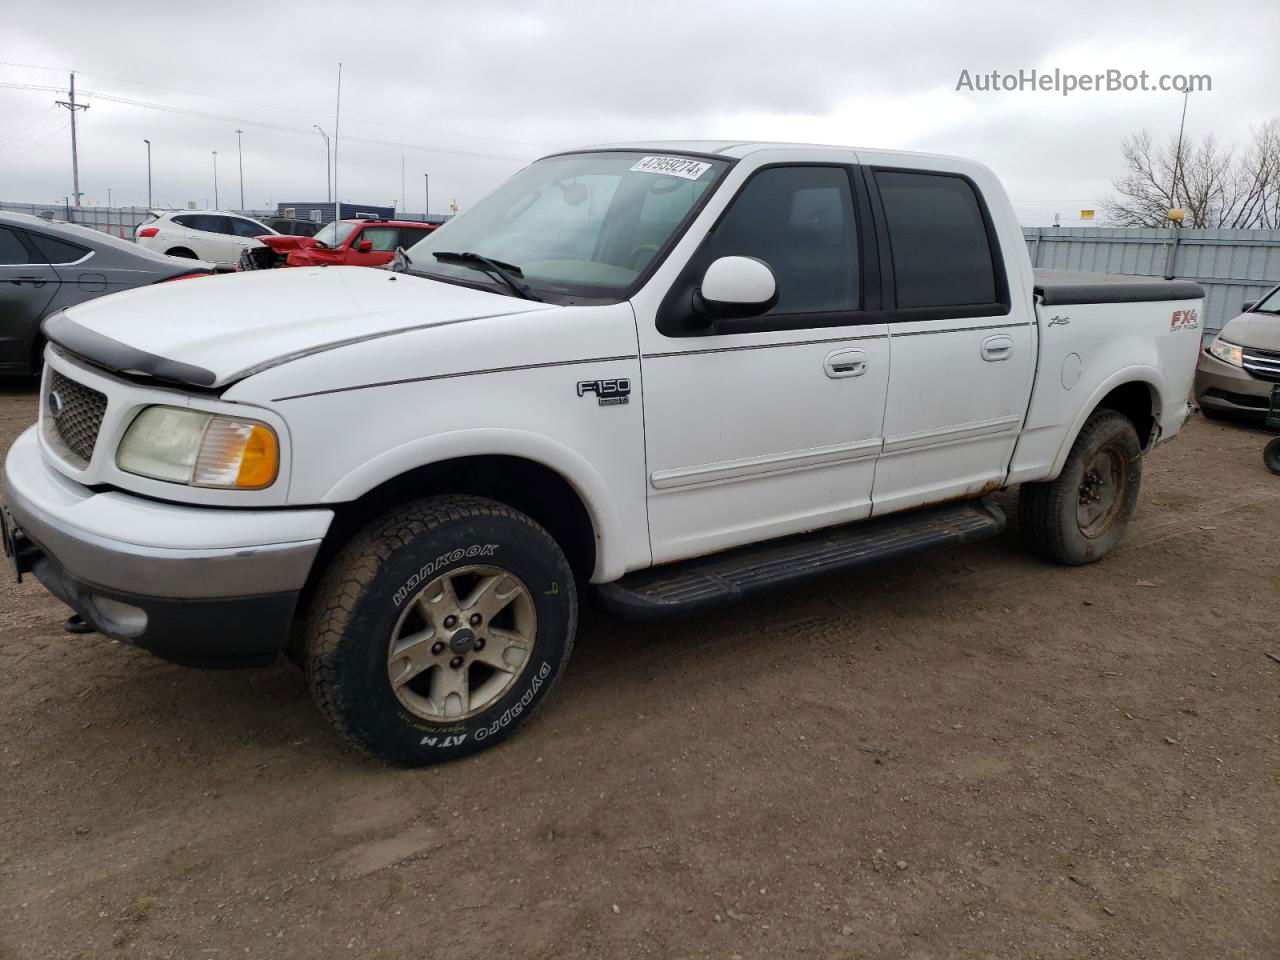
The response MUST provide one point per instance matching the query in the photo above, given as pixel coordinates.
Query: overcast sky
(469, 92)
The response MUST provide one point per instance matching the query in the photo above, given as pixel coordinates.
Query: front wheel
(1079, 517)
(1271, 455)
(439, 629)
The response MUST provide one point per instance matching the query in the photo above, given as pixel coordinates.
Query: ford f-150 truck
(670, 374)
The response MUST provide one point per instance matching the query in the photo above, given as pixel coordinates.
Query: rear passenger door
(26, 288)
(962, 352)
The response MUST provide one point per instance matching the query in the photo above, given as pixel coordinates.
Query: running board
(724, 578)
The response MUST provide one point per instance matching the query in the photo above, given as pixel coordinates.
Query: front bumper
(1229, 389)
(199, 585)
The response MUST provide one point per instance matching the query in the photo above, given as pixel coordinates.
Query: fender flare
(1138, 373)
(496, 441)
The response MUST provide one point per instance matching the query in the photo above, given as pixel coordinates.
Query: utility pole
(215, 179)
(148, 143)
(72, 106)
(426, 196)
(328, 171)
(1177, 158)
(337, 112)
(240, 151)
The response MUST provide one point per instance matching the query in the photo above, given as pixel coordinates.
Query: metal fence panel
(1232, 265)
(117, 221)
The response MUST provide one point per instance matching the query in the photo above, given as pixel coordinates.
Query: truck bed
(1053, 287)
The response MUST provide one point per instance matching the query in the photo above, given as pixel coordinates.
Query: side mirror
(364, 246)
(1248, 305)
(737, 287)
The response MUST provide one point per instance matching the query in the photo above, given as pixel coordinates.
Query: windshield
(582, 226)
(1270, 303)
(335, 234)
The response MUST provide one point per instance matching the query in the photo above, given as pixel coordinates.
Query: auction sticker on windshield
(672, 167)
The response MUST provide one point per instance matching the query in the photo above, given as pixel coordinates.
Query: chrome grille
(73, 414)
(1263, 364)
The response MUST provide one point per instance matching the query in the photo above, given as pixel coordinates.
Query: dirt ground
(965, 754)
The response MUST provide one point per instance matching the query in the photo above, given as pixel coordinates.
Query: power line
(277, 107)
(262, 124)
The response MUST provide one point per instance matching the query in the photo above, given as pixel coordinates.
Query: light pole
(426, 196)
(215, 179)
(328, 173)
(148, 143)
(240, 154)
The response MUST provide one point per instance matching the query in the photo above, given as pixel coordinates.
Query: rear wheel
(440, 629)
(1079, 517)
(1271, 455)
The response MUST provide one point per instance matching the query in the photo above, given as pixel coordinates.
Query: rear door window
(942, 253)
(246, 228)
(411, 235)
(208, 222)
(12, 249)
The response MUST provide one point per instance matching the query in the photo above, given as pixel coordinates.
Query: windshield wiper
(508, 273)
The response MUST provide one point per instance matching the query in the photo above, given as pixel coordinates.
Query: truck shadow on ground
(225, 712)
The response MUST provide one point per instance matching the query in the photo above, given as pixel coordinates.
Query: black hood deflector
(113, 355)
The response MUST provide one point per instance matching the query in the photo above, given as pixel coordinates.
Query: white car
(673, 374)
(203, 235)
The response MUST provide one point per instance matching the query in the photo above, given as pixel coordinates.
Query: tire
(1271, 455)
(181, 252)
(1080, 516)
(381, 609)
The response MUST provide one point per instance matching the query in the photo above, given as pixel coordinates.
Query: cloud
(474, 91)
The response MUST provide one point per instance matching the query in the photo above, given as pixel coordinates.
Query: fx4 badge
(608, 392)
(1184, 320)
(1059, 321)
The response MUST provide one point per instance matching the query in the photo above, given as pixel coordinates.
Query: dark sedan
(45, 266)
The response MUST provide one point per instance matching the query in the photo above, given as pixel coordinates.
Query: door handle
(845, 363)
(995, 349)
(36, 282)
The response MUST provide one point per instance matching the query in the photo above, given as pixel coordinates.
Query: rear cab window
(942, 247)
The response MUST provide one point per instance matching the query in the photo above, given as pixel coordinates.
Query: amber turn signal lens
(260, 461)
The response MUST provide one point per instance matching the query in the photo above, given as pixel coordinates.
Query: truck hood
(222, 329)
(1259, 330)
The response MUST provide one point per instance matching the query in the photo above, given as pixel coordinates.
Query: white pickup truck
(670, 373)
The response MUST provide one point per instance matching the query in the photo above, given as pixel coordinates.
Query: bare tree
(1216, 186)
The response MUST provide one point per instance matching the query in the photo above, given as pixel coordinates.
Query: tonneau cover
(1070, 286)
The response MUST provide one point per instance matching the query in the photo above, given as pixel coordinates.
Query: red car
(359, 243)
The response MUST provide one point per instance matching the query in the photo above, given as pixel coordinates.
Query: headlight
(200, 449)
(1227, 352)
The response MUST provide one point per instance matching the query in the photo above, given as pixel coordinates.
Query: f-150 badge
(608, 392)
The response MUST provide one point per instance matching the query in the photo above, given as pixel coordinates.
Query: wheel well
(1137, 401)
(181, 252)
(533, 489)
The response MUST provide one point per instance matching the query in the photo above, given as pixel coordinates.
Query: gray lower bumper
(139, 546)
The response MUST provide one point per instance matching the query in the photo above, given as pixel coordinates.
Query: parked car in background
(45, 266)
(209, 235)
(1238, 369)
(292, 226)
(352, 243)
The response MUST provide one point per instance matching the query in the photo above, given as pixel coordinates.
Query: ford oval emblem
(55, 404)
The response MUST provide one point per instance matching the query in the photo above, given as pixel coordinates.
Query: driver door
(768, 426)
